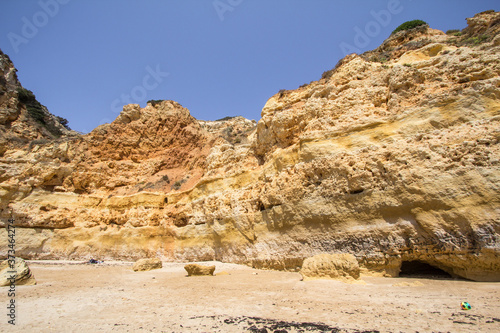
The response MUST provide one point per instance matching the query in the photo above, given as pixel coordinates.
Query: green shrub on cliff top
(155, 102)
(37, 112)
(409, 25)
(64, 122)
(25, 95)
(34, 107)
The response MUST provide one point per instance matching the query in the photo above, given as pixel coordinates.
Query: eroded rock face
(23, 274)
(392, 156)
(336, 266)
(17, 126)
(195, 269)
(147, 264)
(235, 130)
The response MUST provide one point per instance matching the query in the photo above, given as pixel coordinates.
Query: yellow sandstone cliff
(392, 156)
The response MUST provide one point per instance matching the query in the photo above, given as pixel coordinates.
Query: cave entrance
(422, 270)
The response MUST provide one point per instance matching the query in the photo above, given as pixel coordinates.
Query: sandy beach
(110, 297)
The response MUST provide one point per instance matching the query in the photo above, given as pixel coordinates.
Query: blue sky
(85, 59)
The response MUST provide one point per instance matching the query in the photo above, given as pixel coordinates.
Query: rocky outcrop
(20, 274)
(392, 156)
(22, 118)
(154, 149)
(343, 267)
(235, 130)
(147, 264)
(198, 270)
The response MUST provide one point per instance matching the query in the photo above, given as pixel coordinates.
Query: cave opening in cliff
(418, 268)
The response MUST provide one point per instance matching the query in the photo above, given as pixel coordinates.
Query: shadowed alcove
(423, 270)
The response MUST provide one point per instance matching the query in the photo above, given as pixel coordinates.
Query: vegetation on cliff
(409, 25)
(40, 113)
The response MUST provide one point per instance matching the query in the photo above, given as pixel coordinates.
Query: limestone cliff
(392, 156)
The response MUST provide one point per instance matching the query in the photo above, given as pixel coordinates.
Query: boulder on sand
(195, 269)
(23, 274)
(343, 267)
(147, 264)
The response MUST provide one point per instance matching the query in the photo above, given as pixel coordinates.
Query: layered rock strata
(392, 156)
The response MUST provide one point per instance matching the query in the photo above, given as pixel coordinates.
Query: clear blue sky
(84, 59)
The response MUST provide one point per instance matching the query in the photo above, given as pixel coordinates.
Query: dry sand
(110, 297)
